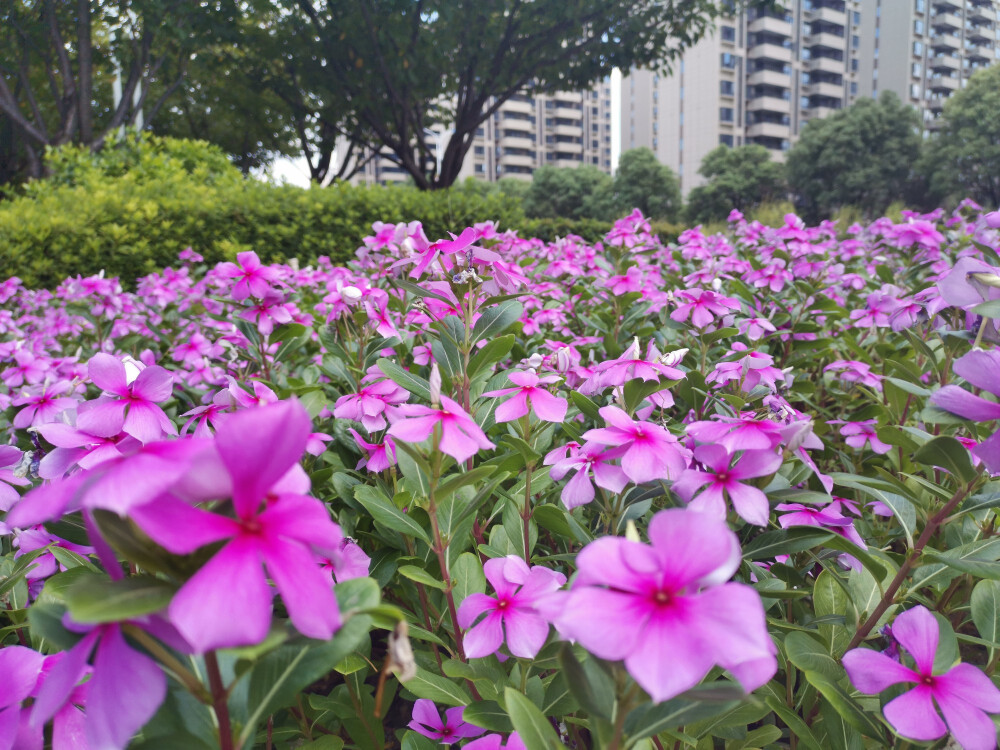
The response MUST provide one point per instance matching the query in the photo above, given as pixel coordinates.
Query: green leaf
(495, 350)
(651, 719)
(985, 603)
(593, 688)
(326, 742)
(278, 678)
(465, 478)
(488, 715)
(497, 319)
(438, 689)
(795, 723)
(383, 510)
(809, 655)
(948, 454)
(405, 379)
(978, 567)
(900, 506)
(846, 706)
(467, 577)
(534, 729)
(785, 542)
(421, 576)
(988, 309)
(96, 598)
(587, 407)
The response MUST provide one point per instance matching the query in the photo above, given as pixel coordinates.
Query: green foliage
(642, 182)
(964, 159)
(742, 178)
(863, 155)
(130, 212)
(572, 193)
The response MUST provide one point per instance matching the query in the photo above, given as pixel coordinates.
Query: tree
(642, 182)
(742, 178)
(584, 192)
(58, 61)
(963, 160)
(403, 67)
(862, 156)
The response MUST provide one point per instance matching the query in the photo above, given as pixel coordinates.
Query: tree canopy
(963, 160)
(742, 178)
(583, 192)
(862, 156)
(642, 182)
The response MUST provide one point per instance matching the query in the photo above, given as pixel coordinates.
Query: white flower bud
(132, 368)
(435, 381)
(351, 295)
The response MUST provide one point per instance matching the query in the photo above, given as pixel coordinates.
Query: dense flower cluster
(201, 482)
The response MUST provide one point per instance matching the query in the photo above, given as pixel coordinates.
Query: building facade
(925, 50)
(758, 79)
(526, 132)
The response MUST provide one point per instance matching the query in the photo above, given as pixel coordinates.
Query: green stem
(220, 704)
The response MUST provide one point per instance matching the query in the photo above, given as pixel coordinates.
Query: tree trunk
(85, 71)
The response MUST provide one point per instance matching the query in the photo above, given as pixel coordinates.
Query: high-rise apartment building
(564, 129)
(758, 79)
(925, 50)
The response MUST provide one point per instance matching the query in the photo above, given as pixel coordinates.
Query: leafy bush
(132, 208)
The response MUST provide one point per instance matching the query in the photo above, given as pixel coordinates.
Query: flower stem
(219, 701)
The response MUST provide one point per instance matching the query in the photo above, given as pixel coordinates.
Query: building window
(726, 114)
(918, 27)
(728, 60)
(728, 33)
(857, 18)
(726, 140)
(480, 151)
(918, 48)
(855, 41)
(854, 88)
(727, 88)
(915, 90)
(920, 6)
(854, 65)
(917, 70)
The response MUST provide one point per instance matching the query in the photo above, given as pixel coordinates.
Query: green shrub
(131, 211)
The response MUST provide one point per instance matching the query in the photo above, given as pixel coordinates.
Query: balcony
(832, 90)
(769, 78)
(770, 52)
(768, 130)
(947, 6)
(936, 103)
(827, 15)
(509, 160)
(945, 20)
(981, 13)
(769, 104)
(568, 114)
(509, 141)
(770, 25)
(574, 130)
(568, 148)
(943, 64)
(942, 84)
(825, 39)
(947, 42)
(979, 52)
(825, 65)
(978, 34)
(516, 105)
(818, 113)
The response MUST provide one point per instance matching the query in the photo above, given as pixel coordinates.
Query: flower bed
(507, 493)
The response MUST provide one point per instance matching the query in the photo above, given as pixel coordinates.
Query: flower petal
(872, 671)
(913, 714)
(917, 630)
(304, 588)
(108, 373)
(968, 724)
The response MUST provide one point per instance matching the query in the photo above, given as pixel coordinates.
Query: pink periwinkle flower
(722, 477)
(744, 433)
(461, 437)
(227, 603)
(128, 406)
(27, 368)
(748, 372)
(651, 452)
(511, 612)
(252, 278)
(828, 517)
(25, 673)
(702, 306)
(376, 399)
(586, 460)
(980, 368)
(10, 457)
(378, 456)
(495, 742)
(852, 371)
(756, 328)
(856, 434)
(631, 366)
(428, 722)
(963, 694)
(547, 407)
(665, 608)
(42, 403)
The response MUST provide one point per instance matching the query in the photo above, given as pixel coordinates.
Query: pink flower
(227, 603)
(547, 407)
(963, 693)
(461, 437)
(706, 490)
(129, 407)
(10, 457)
(630, 366)
(511, 611)
(665, 608)
(379, 456)
(25, 674)
(702, 306)
(982, 370)
(745, 433)
(427, 721)
(42, 403)
(495, 742)
(75, 447)
(591, 458)
(650, 451)
(855, 372)
(372, 403)
(253, 278)
(856, 434)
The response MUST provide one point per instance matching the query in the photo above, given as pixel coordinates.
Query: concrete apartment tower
(758, 79)
(526, 132)
(925, 50)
